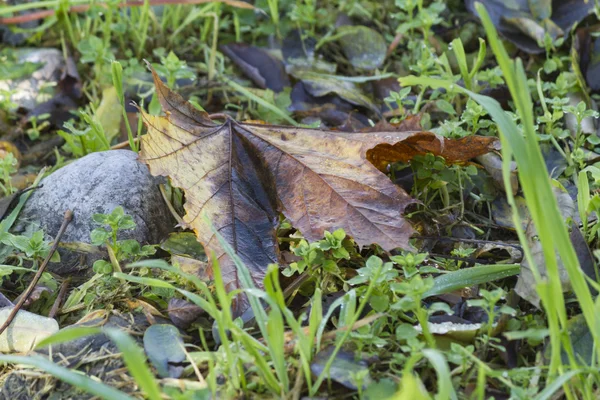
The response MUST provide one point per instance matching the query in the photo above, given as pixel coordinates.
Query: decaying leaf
(320, 85)
(242, 175)
(526, 22)
(344, 368)
(455, 151)
(183, 243)
(265, 70)
(364, 47)
(526, 285)
(182, 313)
(492, 163)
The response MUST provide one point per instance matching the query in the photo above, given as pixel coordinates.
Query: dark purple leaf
(263, 69)
(182, 313)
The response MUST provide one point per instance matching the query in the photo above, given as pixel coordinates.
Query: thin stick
(67, 219)
(474, 241)
(124, 144)
(59, 299)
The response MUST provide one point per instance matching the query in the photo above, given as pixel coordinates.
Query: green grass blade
(471, 276)
(550, 390)
(133, 355)
(445, 388)
(7, 222)
(535, 181)
(248, 94)
(68, 334)
(144, 280)
(135, 360)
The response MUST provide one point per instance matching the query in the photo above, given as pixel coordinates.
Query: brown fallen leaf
(182, 313)
(242, 175)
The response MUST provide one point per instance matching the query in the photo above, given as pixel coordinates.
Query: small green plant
(436, 180)
(381, 275)
(415, 16)
(95, 51)
(412, 291)
(320, 259)
(8, 166)
(553, 61)
(90, 139)
(401, 101)
(172, 67)
(34, 247)
(409, 262)
(489, 302)
(580, 112)
(38, 124)
(119, 250)
(30, 249)
(307, 15)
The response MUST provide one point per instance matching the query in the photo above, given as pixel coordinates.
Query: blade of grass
(8, 221)
(68, 334)
(248, 94)
(261, 317)
(541, 202)
(135, 360)
(445, 388)
(471, 276)
(550, 390)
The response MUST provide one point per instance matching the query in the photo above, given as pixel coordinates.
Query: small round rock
(96, 184)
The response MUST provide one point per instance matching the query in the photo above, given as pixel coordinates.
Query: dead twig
(123, 145)
(59, 299)
(474, 241)
(67, 219)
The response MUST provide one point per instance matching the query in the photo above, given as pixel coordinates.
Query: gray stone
(96, 184)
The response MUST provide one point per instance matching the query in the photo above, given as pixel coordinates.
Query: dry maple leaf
(242, 175)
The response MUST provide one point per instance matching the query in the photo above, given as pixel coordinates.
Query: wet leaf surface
(263, 69)
(502, 213)
(525, 22)
(364, 47)
(303, 101)
(319, 85)
(164, 347)
(344, 369)
(183, 243)
(581, 340)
